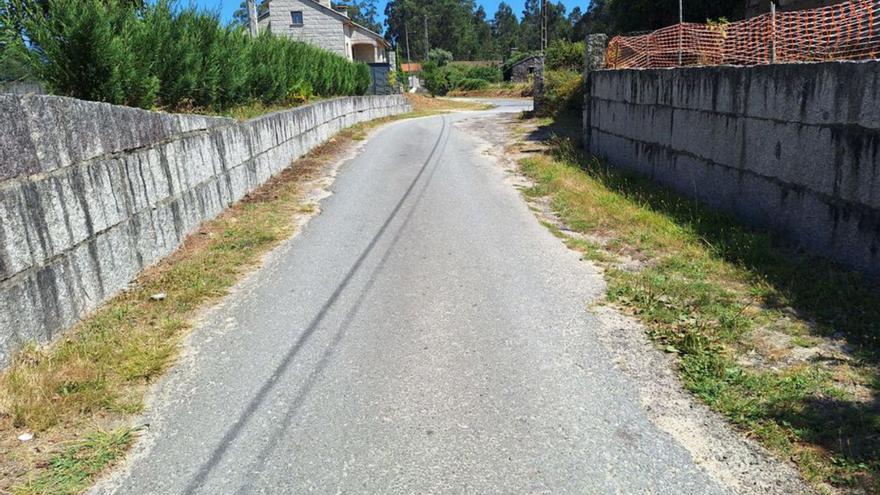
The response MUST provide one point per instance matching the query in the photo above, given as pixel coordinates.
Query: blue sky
(227, 7)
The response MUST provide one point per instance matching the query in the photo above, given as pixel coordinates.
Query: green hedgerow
(160, 55)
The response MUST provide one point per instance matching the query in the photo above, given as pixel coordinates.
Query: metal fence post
(680, 30)
(772, 32)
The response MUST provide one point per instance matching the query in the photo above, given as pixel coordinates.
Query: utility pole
(680, 30)
(544, 33)
(427, 43)
(252, 17)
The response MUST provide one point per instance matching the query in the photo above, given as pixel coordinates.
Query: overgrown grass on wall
(161, 55)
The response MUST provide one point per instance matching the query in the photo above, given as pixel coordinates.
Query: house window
(296, 18)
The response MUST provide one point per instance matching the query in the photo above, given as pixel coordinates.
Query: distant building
(526, 68)
(758, 7)
(411, 68)
(317, 23)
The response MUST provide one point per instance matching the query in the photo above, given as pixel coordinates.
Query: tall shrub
(156, 54)
(565, 55)
(84, 49)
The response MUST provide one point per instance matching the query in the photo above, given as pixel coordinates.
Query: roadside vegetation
(77, 397)
(784, 345)
(158, 55)
(442, 76)
(563, 78)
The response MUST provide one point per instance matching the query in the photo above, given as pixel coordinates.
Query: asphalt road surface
(423, 334)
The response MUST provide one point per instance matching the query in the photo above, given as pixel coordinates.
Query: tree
(558, 25)
(450, 25)
(505, 30)
(363, 12)
(530, 28)
(240, 16)
(485, 47)
(440, 57)
(621, 16)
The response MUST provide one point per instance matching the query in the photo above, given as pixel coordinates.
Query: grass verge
(782, 344)
(78, 395)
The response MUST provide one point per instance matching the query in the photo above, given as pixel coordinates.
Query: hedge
(159, 55)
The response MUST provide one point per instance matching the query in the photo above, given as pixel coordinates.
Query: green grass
(710, 289)
(76, 467)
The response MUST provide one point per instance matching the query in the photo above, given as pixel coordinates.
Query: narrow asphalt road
(423, 334)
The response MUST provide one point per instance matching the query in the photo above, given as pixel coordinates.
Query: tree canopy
(466, 30)
(470, 33)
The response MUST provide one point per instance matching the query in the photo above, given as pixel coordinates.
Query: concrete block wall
(794, 148)
(91, 193)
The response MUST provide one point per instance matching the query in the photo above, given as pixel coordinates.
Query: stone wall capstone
(92, 193)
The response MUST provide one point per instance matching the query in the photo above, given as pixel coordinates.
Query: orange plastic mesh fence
(848, 31)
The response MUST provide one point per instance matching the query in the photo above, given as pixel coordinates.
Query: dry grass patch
(429, 105)
(498, 90)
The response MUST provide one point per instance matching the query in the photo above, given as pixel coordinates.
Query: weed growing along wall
(92, 193)
(794, 147)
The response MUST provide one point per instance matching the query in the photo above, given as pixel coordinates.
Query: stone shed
(525, 69)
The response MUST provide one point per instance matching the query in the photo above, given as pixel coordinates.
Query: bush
(441, 80)
(159, 55)
(470, 84)
(565, 55)
(563, 91)
(488, 74)
(440, 57)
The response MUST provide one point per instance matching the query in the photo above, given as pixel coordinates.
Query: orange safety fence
(847, 31)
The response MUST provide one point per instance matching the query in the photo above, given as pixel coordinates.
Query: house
(525, 69)
(317, 23)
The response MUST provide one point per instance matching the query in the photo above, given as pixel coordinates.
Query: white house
(317, 23)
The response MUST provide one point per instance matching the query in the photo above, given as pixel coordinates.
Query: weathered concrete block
(91, 194)
(17, 153)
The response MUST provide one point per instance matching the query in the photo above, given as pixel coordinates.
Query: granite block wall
(91, 193)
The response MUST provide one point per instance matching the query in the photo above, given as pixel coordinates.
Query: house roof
(528, 59)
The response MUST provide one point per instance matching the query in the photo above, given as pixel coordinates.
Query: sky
(227, 7)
